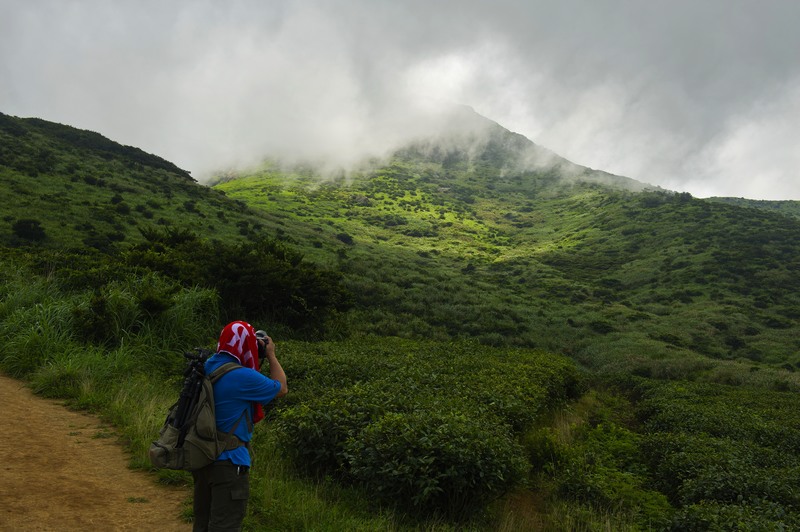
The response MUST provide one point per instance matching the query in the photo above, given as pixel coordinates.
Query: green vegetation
(418, 430)
(473, 340)
(787, 207)
(67, 187)
(575, 267)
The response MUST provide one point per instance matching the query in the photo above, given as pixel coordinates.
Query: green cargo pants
(221, 490)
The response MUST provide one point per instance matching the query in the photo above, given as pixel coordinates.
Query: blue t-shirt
(234, 393)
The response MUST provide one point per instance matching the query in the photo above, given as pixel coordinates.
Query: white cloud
(757, 154)
(680, 94)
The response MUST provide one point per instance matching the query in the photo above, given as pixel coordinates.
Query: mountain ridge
(571, 263)
(537, 157)
(608, 262)
(84, 189)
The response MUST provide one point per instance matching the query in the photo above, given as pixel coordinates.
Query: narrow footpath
(65, 470)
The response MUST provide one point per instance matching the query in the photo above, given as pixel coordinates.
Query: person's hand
(268, 346)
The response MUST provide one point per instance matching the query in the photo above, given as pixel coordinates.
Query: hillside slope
(682, 312)
(473, 232)
(68, 187)
(479, 235)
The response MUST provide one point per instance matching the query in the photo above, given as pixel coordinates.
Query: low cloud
(693, 97)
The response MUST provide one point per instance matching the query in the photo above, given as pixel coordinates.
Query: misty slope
(82, 189)
(96, 215)
(484, 234)
(476, 232)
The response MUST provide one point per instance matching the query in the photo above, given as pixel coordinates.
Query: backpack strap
(235, 442)
(215, 375)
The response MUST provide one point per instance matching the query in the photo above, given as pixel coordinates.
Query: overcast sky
(701, 96)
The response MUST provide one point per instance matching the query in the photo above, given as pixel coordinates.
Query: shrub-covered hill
(472, 233)
(469, 238)
(64, 186)
(689, 306)
(96, 214)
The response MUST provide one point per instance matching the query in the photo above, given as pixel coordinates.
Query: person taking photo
(222, 488)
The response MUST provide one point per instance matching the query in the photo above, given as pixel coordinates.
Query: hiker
(221, 489)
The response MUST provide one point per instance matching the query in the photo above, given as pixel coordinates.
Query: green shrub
(748, 515)
(31, 336)
(262, 278)
(423, 427)
(748, 414)
(545, 453)
(63, 376)
(723, 454)
(315, 432)
(690, 468)
(29, 230)
(148, 305)
(604, 468)
(434, 462)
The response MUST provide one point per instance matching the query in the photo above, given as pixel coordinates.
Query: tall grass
(583, 518)
(286, 502)
(139, 406)
(34, 327)
(140, 328)
(21, 290)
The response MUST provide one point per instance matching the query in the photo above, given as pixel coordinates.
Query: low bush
(727, 457)
(260, 278)
(604, 468)
(424, 427)
(433, 462)
(750, 515)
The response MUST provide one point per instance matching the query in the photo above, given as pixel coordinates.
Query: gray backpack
(189, 439)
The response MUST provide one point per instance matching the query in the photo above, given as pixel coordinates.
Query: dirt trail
(64, 470)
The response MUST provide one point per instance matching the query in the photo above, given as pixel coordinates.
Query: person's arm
(275, 370)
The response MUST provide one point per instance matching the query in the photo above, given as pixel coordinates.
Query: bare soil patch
(66, 470)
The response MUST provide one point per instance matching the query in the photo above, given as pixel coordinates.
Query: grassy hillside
(486, 249)
(92, 212)
(492, 259)
(68, 187)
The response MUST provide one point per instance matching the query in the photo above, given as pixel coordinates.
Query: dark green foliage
(415, 429)
(64, 383)
(788, 207)
(724, 455)
(604, 468)
(761, 416)
(89, 141)
(78, 269)
(42, 321)
(345, 238)
(28, 230)
(119, 309)
(262, 279)
(432, 462)
(86, 189)
(755, 515)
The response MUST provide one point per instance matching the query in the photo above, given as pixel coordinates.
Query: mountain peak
(462, 132)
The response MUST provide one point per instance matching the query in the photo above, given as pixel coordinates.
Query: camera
(262, 347)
